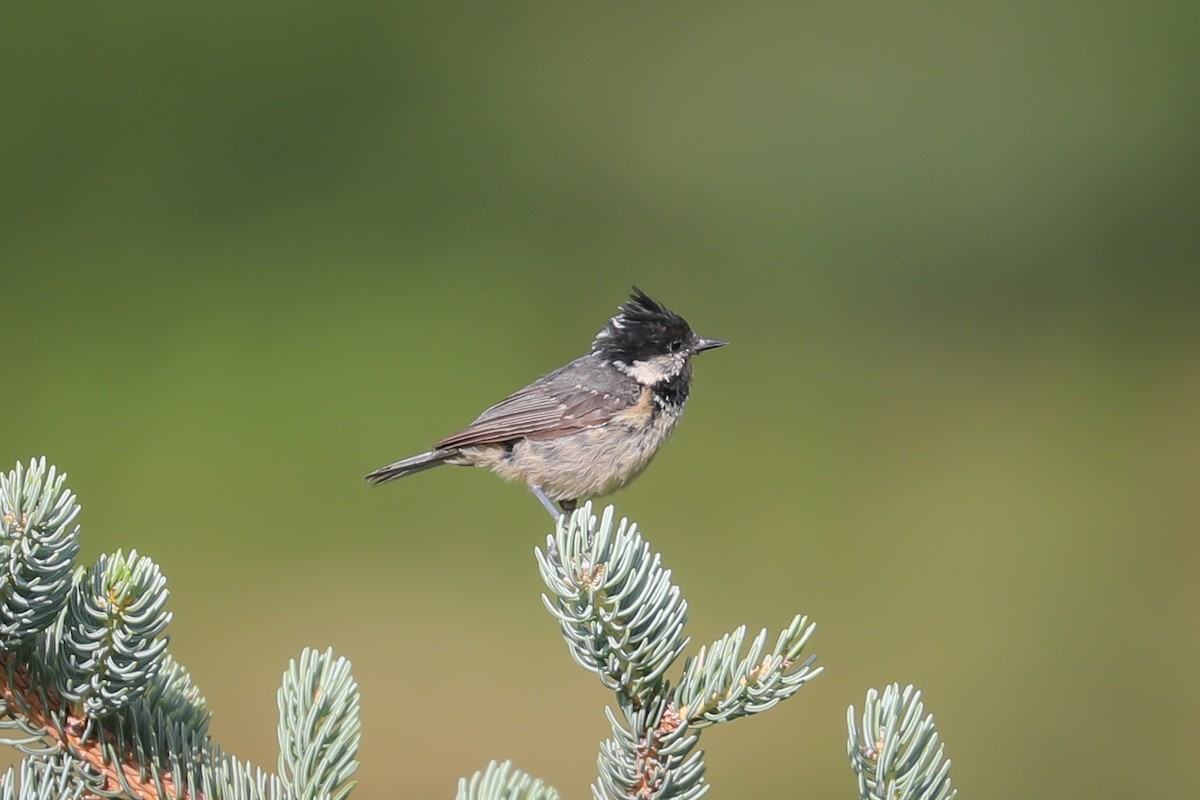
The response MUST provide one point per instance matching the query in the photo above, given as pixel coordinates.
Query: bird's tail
(413, 464)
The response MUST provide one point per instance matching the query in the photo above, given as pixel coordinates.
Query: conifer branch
(38, 547)
(720, 684)
(620, 613)
(42, 714)
(42, 778)
(112, 645)
(91, 694)
(623, 618)
(895, 752)
(318, 727)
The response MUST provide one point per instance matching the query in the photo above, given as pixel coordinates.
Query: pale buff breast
(589, 463)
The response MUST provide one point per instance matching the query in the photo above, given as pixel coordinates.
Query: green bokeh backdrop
(251, 251)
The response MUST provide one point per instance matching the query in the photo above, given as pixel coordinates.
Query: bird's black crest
(643, 328)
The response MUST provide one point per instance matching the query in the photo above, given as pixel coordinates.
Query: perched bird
(589, 427)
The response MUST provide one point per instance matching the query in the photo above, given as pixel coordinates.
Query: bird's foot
(546, 502)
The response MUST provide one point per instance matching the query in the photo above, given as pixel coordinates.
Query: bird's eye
(676, 346)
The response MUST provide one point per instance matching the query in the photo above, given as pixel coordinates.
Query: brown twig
(21, 697)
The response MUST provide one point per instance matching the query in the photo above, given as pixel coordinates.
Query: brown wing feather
(545, 409)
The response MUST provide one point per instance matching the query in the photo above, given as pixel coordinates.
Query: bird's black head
(648, 340)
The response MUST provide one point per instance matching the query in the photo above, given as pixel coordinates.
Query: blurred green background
(252, 251)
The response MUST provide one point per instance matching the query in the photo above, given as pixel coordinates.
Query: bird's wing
(571, 399)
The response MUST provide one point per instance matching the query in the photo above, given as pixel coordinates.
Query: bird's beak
(703, 344)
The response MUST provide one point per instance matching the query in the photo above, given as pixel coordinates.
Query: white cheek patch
(656, 370)
(644, 373)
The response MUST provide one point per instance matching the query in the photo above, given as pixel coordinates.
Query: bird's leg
(568, 505)
(545, 501)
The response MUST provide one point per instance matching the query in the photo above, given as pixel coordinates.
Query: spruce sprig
(895, 750)
(623, 617)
